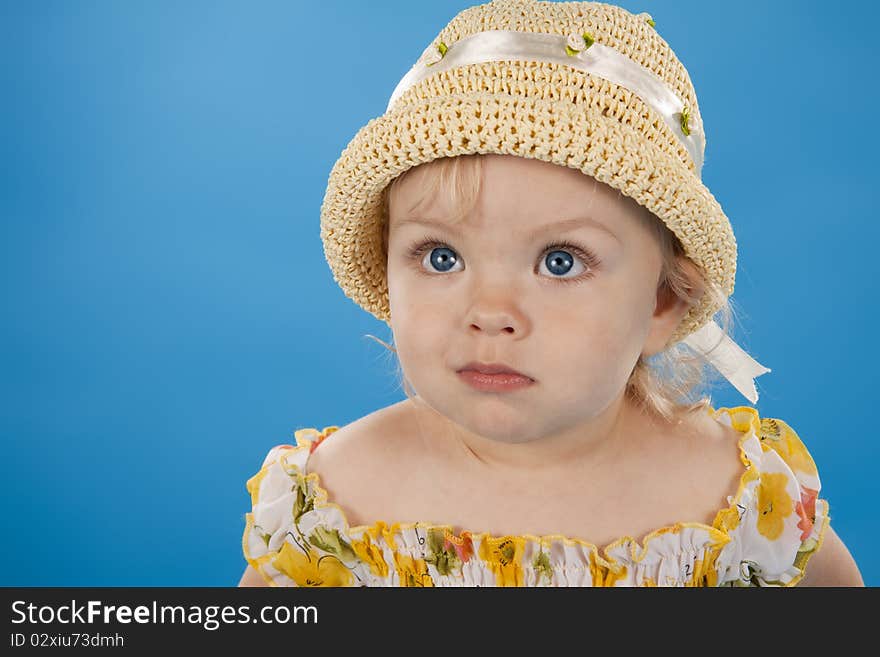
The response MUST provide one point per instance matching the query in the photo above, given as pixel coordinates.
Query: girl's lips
(491, 368)
(494, 382)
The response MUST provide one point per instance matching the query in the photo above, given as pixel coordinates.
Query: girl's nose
(497, 314)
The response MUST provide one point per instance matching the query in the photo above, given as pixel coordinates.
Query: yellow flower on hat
(433, 54)
(310, 568)
(574, 43)
(774, 505)
(685, 120)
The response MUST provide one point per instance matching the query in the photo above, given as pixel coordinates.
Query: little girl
(529, 219)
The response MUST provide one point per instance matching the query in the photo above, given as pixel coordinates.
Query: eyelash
(420, 247)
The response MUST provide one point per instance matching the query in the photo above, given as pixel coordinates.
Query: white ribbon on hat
(726, 356)
(737, 366)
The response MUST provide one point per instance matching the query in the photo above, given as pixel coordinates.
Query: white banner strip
(728, 358)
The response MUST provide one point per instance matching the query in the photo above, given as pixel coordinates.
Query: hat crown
(629, 34)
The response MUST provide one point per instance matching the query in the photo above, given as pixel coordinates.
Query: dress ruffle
(296, 536)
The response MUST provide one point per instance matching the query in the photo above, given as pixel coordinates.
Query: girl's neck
(585, 450)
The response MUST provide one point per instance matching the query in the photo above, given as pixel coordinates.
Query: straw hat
(584, 85)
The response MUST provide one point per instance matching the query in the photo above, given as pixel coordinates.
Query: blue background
(168, 315)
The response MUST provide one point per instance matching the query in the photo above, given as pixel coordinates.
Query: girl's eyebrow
(557, 226)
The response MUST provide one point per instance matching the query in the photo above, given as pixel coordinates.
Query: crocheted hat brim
(417, 131)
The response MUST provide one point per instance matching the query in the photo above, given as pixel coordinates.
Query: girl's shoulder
(357, 465)
(362, 462)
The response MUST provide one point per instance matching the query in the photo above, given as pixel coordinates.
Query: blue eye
(442, 258)
(561, 258)
(559, 262)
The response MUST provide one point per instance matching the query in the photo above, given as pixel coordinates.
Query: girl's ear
(668, 313)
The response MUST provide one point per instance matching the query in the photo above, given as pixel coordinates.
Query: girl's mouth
(504, 382)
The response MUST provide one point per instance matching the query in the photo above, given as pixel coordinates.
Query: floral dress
(296, 536)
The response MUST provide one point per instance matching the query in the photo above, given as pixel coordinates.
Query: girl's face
(571, 306)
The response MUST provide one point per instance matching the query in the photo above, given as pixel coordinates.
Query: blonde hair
(670, 383)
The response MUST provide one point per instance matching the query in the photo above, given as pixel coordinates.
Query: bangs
(455, 179)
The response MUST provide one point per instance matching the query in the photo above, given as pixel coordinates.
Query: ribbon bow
(728, 358)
